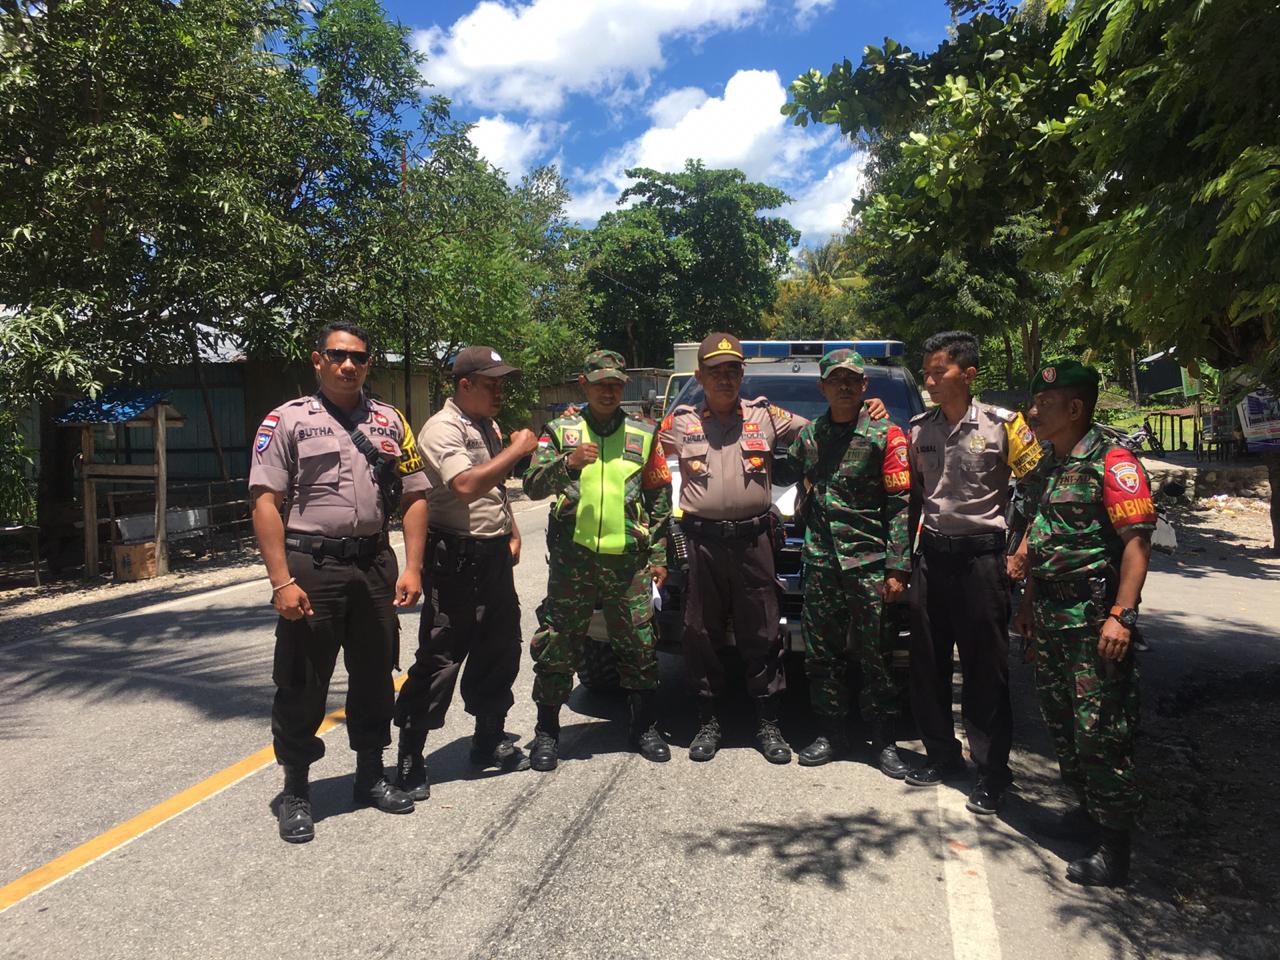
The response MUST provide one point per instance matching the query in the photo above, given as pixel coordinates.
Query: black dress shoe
(1107, 865)
(771, 743)
(384, 795)
(984, 798)
(411, 776)
(820, 752)
(544, 754)
(932, 774)
(296, 825)
(706, 742)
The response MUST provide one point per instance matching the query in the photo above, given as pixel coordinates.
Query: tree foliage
(694, 252)
(1143, 135)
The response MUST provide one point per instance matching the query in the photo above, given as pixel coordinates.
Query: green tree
(693, 253)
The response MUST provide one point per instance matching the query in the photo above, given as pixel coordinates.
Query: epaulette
(1003, 414)
(920, 417)
(757, 402)
(683, 408)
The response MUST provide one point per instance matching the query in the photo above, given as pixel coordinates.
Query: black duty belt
(725, 529)
(970, 544)
(340, 548)
(1077, 588)
(468, 546)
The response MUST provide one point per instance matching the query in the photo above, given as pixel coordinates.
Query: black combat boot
(1074, 824)
(768, 737)
(294, 814)
(831, 742)
(544, 754)
(885, 750)
(411, 766)
(707, 740)
(643, 733)
(490, 746)
(373, 789)
(1107, 866)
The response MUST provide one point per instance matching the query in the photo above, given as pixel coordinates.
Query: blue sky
(596, 86)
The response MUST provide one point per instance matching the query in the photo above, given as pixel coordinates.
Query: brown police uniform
(337, 550)
(959, 593)
(472, 612)
(725, 495)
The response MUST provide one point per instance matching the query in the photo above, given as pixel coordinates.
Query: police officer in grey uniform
(472, 612)
(337, 460)
(962, 454)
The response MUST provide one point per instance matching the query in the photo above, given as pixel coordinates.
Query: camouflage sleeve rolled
(655, 491)
(897, 498)
(548, 472)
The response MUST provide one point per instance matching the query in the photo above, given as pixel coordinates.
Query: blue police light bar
(782, 349)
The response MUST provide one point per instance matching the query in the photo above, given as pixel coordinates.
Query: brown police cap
(720, 348)
(482, 360)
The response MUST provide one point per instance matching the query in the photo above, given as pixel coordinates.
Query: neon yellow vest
(601, 521)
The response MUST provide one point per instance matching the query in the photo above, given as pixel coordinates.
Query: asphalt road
(609, 856)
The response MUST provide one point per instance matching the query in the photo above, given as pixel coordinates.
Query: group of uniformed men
(329, 470)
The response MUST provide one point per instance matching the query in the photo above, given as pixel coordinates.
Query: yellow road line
(60, 868)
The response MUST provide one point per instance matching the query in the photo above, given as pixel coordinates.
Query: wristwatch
(1126, 616)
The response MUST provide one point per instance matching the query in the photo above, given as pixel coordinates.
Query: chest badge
(697, 466)
(380, 419)
(977, 443)
(571, 438)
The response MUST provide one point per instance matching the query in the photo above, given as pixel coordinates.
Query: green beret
(604, 365)
(1064, 373)
(841, 359)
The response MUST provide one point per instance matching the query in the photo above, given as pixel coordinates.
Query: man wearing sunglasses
(472, 612)
(337, 461)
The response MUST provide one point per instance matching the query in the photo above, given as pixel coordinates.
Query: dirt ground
(1211, 838)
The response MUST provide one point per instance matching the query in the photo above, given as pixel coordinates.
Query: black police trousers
(351, 600)
(732, 579)
(472, 614)
(962, 601)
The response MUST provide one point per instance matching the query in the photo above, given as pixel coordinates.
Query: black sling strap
(383, 466)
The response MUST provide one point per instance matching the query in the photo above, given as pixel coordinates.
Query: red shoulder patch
(1125, 491)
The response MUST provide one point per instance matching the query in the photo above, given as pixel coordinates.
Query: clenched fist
(524, 440)
(582, 456)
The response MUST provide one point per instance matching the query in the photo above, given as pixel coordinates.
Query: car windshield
(799, 394)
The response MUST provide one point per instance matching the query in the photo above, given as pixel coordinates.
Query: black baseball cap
(482, 360)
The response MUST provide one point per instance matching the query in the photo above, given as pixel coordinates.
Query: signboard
(1260, 419)
(1190, 384)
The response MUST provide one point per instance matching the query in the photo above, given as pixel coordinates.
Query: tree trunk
(1272, 460)
(1133, 375)
(1008, 360)
(408, 375)
(208, 405)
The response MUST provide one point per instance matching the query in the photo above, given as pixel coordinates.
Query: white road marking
(973, 921)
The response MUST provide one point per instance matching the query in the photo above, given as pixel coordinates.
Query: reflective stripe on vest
(601, 522)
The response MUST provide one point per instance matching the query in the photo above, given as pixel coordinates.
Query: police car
(787, 373)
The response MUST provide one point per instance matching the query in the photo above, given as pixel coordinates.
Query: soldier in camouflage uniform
(1089, 543)
(608, 540)
(856, 558)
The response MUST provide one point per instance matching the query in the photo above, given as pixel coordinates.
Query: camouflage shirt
(861, 486)
(647, 496)
(1089, 496)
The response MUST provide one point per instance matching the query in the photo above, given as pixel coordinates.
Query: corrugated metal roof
(116, 405)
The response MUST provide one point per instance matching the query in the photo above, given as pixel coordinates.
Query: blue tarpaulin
(116, 405)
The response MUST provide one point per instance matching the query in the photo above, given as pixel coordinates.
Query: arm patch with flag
(896, 470)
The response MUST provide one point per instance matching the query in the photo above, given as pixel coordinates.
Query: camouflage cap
(604, 365)
(1064, 373)
(841, 359)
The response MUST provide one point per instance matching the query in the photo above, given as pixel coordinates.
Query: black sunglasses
(339, 357)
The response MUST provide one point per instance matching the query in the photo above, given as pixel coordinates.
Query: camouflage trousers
(1091, 707)
(578, 579)
(842, 620)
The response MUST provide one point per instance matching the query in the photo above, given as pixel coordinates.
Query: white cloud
(807, 9)
(530, 56)
(743, 128)
(822, 207)
(509, 146)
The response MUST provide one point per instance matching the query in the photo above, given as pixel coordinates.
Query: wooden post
(162, 492)
(89, 494)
